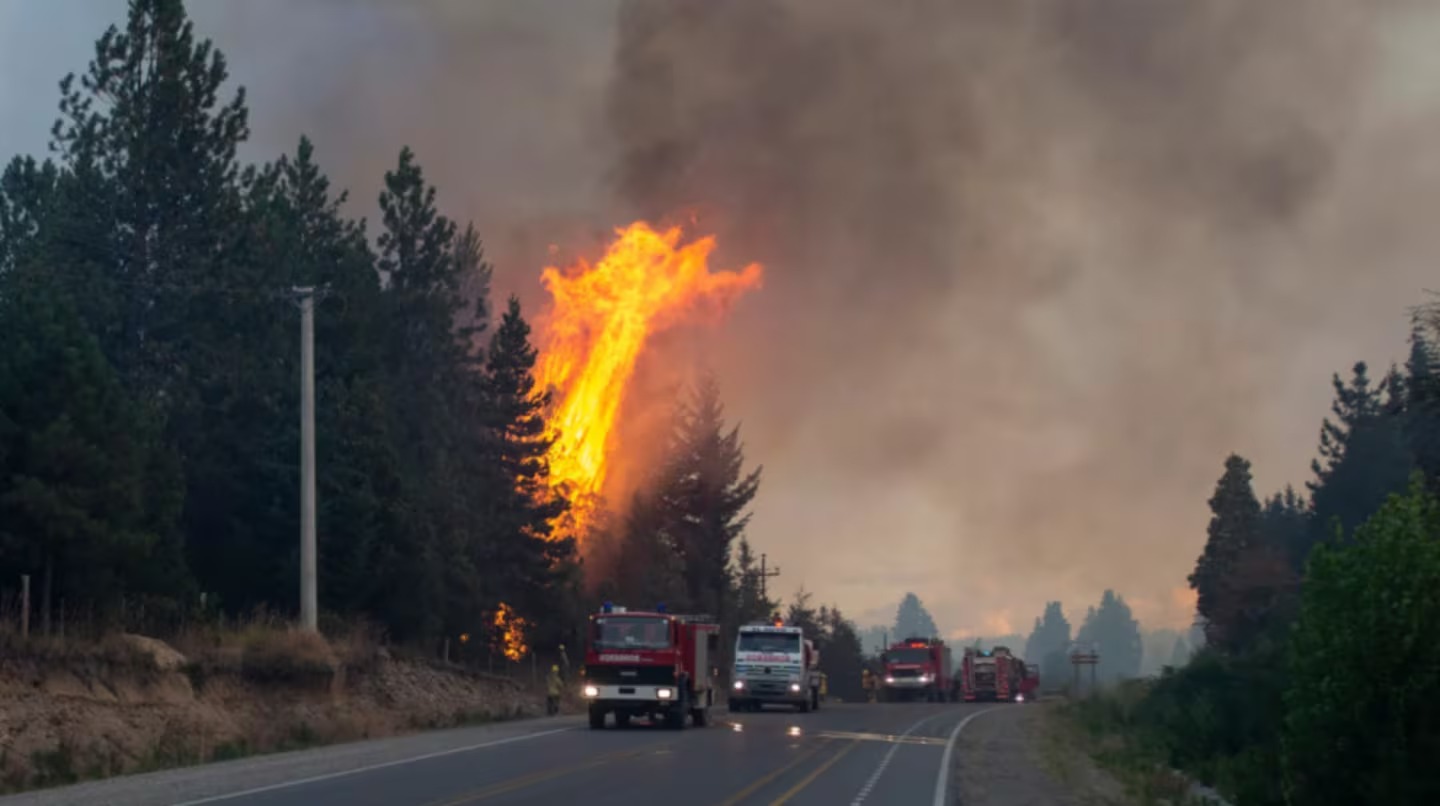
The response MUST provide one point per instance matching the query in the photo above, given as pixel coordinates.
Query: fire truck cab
(918, 668)
(652, 664)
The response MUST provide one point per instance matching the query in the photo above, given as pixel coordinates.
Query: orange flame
(599, 321)
(512, 632)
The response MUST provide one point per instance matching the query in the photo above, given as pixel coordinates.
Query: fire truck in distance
(918, 668)
(774, 664)
(652, 664)
(994, 674)
(1030, 686)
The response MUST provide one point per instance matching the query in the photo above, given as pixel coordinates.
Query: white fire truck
(774, 664)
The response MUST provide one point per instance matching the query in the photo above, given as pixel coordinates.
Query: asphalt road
(888, 755)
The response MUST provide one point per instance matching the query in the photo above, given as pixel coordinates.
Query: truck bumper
(637, 698)
(761, 691)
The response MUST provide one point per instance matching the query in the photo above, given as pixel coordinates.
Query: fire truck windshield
(632, 632)
(907, 656)
(768, 642)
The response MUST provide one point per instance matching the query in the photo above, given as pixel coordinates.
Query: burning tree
(600, 320)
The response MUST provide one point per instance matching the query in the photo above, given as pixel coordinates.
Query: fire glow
(599, 320)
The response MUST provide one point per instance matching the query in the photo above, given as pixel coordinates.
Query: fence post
(445, 652)
(25, 606)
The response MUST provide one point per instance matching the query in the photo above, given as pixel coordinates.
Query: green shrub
(1363, 710)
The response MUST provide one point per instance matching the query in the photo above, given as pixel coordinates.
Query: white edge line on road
(342, 773)
(885, 762)
(942, 781)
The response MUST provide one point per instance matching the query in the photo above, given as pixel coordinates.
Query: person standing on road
(554, 685)
(867, 681)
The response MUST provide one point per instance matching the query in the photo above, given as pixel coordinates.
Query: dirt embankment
(131, 703)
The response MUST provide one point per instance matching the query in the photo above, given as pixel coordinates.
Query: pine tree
(1422, 388)
(27, 192)
(706, 493)
(841, 656)
(1363, 454)
(432, 581)
(912, 620)
(750, 605)
(519, 522)
(1234, 525)
(150, 150)
(1114, 630)
(1285, 526)
(88, 493)
(1048, 641)
(802, 614)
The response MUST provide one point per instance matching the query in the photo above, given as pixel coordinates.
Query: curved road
(843, 754)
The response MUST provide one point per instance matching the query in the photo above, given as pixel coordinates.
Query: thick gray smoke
(1033, 267)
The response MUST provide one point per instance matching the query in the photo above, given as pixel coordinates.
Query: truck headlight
(739, 685)
(664, 693)
(592, 691)
(925, 678)
(889, 679)
(794, 686)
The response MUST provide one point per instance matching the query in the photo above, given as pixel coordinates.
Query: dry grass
(74, 708)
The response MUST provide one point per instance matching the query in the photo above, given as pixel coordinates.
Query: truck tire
(622, 719)
(815, 699)
(700, 716)
(804, 706)
(597, 717)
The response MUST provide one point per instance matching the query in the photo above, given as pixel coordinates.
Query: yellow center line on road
(758, 783)
(816, 773)
(513, 784)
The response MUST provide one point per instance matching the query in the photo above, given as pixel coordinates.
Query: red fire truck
(994, 674)
(1030, 686)
(918, 668)
(653, 664)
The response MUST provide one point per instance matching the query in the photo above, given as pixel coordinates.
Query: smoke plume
(1033, 267)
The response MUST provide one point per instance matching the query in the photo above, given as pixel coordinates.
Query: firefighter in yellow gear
(554, 687)
(867, 681)
(824, 685)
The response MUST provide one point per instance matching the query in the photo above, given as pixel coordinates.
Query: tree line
(1320, 675)
(149, 385)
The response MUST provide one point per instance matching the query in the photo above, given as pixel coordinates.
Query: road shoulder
(1022, 755)
(203, 782)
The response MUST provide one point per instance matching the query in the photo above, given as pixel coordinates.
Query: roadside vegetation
(1320, 679)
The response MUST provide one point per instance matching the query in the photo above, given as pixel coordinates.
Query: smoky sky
(1032, 268)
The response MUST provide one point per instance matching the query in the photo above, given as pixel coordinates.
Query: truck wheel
(622, 719)
(804, 706)
(815, 700)
(597, 717)
(700, 716)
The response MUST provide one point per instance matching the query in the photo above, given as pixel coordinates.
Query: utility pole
(775, 572)
(309, 604)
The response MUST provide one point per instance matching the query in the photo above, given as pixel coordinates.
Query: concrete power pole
(764, 575)
(309, 601)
